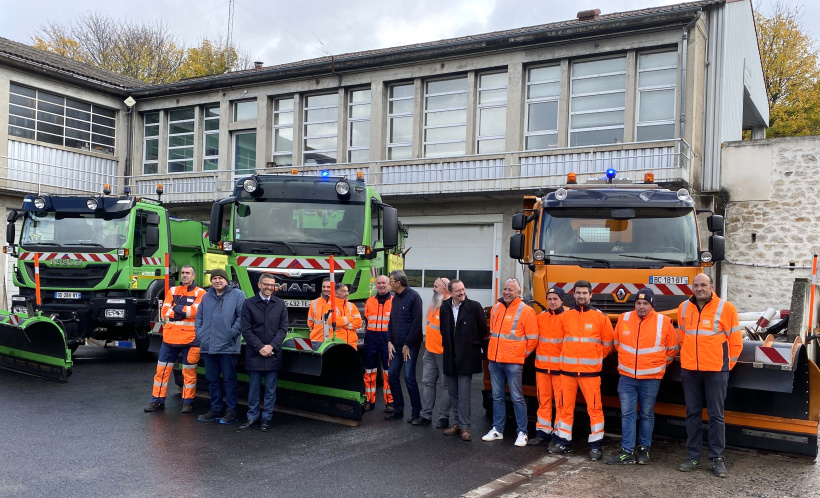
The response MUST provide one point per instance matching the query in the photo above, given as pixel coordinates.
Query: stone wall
(772, 218)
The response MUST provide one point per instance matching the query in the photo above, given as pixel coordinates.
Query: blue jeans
(394, 369)
(254, 386)
(511, 374)
(636, 393)
(224, 364)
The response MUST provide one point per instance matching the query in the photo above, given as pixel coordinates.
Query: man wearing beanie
(646, 343)
(548, 367)
(217, 330)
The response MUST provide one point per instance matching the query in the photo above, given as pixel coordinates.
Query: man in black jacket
(404, 333)
(463, 328)
(264, 324)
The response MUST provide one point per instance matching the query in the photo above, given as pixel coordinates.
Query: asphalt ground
(90, 437)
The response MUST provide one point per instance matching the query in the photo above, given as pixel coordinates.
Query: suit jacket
(462, 338)
(263, 323)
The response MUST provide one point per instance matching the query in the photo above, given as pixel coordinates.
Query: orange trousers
(165, 364)
(370, 385)
(591, 389)
(549, 392)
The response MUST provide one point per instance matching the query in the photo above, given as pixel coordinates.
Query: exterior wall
(772, 218)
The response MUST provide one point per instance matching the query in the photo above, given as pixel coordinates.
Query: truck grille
(609, 306)
(74, 278)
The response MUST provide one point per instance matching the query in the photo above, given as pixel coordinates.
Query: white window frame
(572, 95)
(146, 138)
(277, 155)
(540, 100)
(180, 147)
(235, 109)
(427, 112)
(493, 105)
(206, 133)
(392, 116)
(306, 123)
(350, 120)
(647, 89)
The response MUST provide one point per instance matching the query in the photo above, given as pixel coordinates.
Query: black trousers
(709, 388)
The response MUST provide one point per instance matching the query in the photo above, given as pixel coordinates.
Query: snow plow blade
(34, 345)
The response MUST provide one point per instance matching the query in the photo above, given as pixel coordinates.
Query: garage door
(466, 252)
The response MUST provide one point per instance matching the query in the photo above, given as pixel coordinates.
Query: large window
(244, 153)
(58, 120)
(283, 132)
(492, 113)
(445, 117)
(657, 77)
(358, 126)
(598, 102)
(245, 110)
(400, 122)
(210, 154)
(150, 154)
(181, 140)
(320, 129)
(473, 279)
(543, 87)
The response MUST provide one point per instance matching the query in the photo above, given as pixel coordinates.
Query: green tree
(791, 72)
(148, 52)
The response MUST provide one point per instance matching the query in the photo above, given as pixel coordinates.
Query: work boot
(454, 430)
(551, 446)
(388, 408)
(367, 406)
(394, 415)
(209, 416)
(422, 421)
(538, 441)
(443, 423)
(465, 435)
(154, 406)
(559, 449)
(231, 417)
(596, 454)
(719, 467)
(187, 407)
(413, 418)
(622, 458)
(249, 424)
(643, 455)
(689, 465)
(265, 426)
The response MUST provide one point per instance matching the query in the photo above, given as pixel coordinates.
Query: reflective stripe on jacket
(179, 310)
(645, 346)
(432, 330)
(348, 321)
(548, 352)
(378, 313)
(710, 339)
(587, 340)
(513, 332)
(316, 314)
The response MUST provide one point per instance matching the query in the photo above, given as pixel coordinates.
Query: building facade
(452, 132)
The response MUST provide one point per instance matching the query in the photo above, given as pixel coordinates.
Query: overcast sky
(282, 31)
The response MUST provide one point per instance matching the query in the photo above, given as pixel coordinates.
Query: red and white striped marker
(302, 344)
(771, 355)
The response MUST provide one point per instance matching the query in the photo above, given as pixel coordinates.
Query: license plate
(66, 295)
(114, 313)
(297, 303)
(666, 280)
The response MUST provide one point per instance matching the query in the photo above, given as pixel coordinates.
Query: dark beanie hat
(219, 272)
(558, 291)
(646, 294)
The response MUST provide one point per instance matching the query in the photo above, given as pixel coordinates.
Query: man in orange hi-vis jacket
(646, 343)
(432, 361)
(178, 337)
(587, 341)
(377, 311)
(710, 344)
(348, 319)
(317, 312)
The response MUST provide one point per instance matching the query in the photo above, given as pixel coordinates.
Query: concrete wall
(772, 218)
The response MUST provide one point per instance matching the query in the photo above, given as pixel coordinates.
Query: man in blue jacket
(404, 333)
(217, 330)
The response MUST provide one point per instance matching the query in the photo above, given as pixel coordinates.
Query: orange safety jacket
(315, 319)
(348, 321)
(550, 338)
(710, 339)
(587, 340)
(432, 339)
(645, 346)
(378, 313)
(179, 312)
(513, 332)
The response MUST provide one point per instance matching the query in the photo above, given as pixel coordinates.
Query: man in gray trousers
(463, 328)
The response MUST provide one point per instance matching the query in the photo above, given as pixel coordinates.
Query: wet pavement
(90, 437)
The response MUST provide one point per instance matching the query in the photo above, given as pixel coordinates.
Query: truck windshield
(85, 232)
(289, 223)
(654, 237)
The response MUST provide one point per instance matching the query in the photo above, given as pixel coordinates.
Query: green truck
(101, 265)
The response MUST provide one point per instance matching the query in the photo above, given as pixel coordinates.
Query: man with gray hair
(404, 332)
(432, 361)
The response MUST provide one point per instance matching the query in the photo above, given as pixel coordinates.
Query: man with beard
(432, 367)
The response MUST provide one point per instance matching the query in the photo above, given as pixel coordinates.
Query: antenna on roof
(229, 40)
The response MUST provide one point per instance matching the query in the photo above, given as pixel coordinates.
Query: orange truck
(623, 236)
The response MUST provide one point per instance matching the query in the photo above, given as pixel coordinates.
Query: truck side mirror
(10, 233)
(717, 246)
(215, 228)
(390, 235)
(715, 223)
(152, 236)
(517, 246)
(519, 221)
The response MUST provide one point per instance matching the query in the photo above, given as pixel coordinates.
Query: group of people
(569, 344)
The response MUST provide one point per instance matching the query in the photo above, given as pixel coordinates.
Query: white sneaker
(522, 439)
(493, 435)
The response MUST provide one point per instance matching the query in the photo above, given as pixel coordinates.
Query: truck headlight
(227, 245)
(39, 202)
(342, 188)
(706, 257)
(250, 185)
(538, 255)
(560, 194)
(91, 204)
(114, 313)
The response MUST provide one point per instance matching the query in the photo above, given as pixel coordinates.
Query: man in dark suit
(264, 324)
(463, 328)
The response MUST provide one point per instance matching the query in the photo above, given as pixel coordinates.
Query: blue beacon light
(325, 173)
(610, 174)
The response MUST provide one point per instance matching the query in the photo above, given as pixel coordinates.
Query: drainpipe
(685, 43)
(130, 102)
